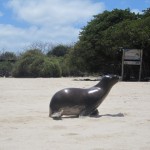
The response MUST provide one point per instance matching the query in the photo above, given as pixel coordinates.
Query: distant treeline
(36, 63)
(99, 49)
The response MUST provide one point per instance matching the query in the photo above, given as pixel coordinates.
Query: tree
(8, 56)
(5, 68)
(100, 41)
(7, 60)
(59, 50)
(146, 12)
(44, 47)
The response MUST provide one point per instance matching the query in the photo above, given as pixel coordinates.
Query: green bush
(5, 68)
(51, 68)
(35, 64)
(36, 67)
(27, 65)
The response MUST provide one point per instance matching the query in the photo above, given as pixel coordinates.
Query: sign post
(132, 57)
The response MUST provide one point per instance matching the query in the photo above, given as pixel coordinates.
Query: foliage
(146, 12)
(59, 50)
(51, 68)
(7, 60)
(100, 41)
(5, 68)
(8, 56)
(34, 63)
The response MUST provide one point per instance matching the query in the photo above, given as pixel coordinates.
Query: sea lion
(81, 102)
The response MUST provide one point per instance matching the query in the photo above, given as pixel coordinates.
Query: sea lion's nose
(116, 76)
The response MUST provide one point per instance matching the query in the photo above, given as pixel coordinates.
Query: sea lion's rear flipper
(94, 113)
(57, 115)
(84, 113)
(89, 112)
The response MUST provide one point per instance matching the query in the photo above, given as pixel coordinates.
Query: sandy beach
(123, 123)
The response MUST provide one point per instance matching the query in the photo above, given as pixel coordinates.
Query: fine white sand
(123, 124)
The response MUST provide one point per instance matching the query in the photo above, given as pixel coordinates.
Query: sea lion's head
(112, 79)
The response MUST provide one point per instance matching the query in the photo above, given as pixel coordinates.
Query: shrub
(5, 68)
(51, 68)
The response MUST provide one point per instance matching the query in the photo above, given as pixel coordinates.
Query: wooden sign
(132, 57)
(132, 54)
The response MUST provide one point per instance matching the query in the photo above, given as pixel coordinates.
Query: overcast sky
(23, 22)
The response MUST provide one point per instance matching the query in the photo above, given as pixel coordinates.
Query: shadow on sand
(94, 116)
(109, 115)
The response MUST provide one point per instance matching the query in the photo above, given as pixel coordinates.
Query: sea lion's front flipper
(57, 115)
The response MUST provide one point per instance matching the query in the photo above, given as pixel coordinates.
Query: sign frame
(132, 57)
